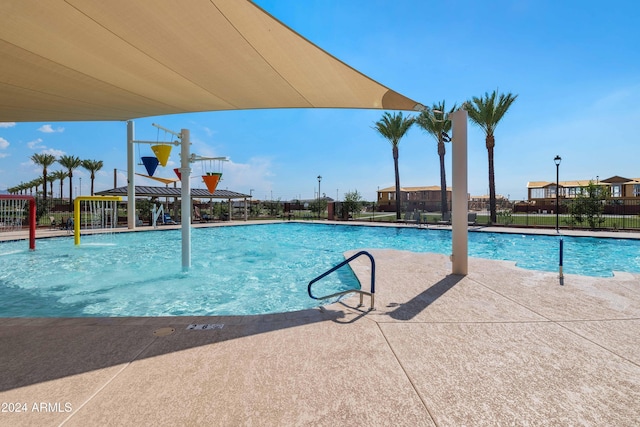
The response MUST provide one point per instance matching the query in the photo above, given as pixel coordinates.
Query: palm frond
(486, 113)
(393, 126)
(435, 120)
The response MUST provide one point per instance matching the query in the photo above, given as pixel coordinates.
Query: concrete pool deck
(500, 346)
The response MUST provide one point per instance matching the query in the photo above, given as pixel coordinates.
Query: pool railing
(359, 291)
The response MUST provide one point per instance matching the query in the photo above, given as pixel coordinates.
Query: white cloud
(618, 100)
(3, 143)
(208, 131)
(256, 174)
(35, 144)
(50, 129)
(53, 151)
(3, 155)
(7, 124)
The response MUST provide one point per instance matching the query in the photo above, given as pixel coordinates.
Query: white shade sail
(78, 60)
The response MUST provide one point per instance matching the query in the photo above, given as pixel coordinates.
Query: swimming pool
(247, 269)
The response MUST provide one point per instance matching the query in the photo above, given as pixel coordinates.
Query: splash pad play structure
(101, 213)
(12, 212)
(162, 152)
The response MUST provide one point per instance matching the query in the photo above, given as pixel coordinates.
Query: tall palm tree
(51, 181)
(487, 112)
(71, 163)
(435, 122)
(45, 160)
(92, 166)
(33, 185)
(393, 127)
(58, 175)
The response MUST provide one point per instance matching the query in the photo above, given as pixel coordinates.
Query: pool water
(248, 269)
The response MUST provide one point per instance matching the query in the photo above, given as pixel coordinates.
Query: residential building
(620, 188)
(481, 203)
(412, 198)
(624, 194)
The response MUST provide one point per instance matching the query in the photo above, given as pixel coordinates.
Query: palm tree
(58, 175)
(433, 121)
(71, 163)
(486, 112)
(34, 184)
(394, 127)
(44, 160)
(92, 166)
(51, 181)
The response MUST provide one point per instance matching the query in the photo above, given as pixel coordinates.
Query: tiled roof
(584, 182)
(542, 184)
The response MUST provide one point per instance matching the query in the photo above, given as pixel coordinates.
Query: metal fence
(609, 214)
(612, 215)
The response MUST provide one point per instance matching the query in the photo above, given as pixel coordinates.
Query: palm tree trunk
(395, 165)
(444, 207)
(44, 187)
(93, 177)
(70, 191)
(492, 187)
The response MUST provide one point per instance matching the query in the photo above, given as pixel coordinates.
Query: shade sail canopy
(77, 60)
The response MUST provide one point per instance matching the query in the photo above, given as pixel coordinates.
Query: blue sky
(573, 64)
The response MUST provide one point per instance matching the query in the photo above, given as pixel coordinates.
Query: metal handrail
(359, 291)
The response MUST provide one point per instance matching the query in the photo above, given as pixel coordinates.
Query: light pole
(557, 161)
(319, 179)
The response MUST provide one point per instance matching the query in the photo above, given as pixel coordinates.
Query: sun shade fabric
(78, 60)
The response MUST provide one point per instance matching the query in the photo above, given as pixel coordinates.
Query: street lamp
(557, 161)
(319, 179)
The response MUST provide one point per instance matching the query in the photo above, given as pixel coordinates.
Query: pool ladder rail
(359, 291)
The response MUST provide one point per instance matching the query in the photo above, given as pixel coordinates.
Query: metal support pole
(561, 276)
(319, 179)
(557, 196)
(557, 161)
(460, 200)
(131, 186)
(185, 172)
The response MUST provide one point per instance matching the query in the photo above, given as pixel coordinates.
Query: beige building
(479, 203)
(620, 189)
(412, 198)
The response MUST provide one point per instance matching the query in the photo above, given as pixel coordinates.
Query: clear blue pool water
(248, 269)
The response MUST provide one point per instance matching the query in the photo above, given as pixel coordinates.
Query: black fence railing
(604, 215)
(607, 214)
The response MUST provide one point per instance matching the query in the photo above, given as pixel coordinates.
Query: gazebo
(175, 193)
